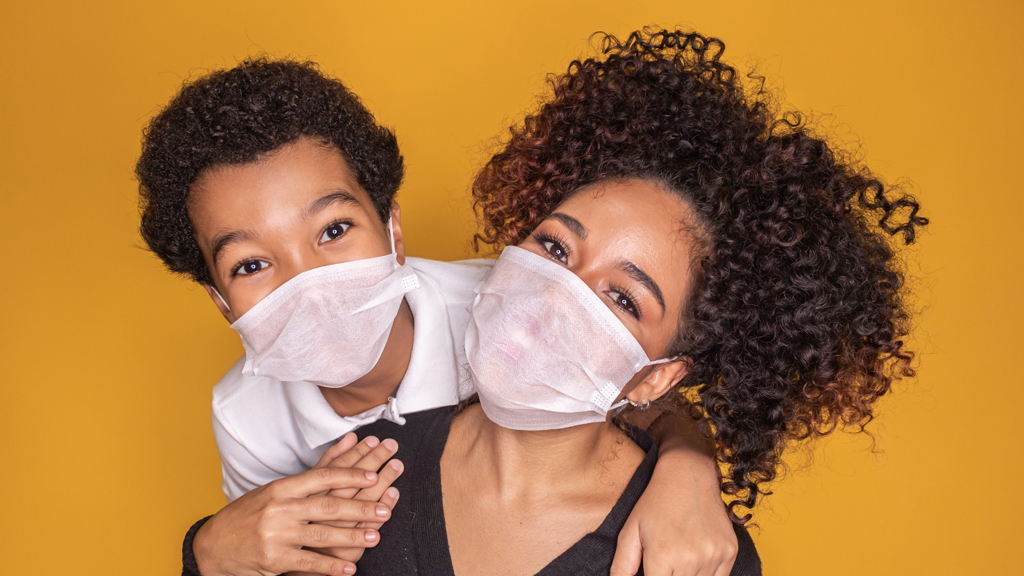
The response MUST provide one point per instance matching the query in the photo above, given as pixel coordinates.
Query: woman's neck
(515, 464)
(514, 501)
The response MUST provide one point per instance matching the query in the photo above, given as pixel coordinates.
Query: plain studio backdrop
(107, 361)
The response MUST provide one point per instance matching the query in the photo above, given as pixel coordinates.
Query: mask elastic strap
(225, 302)
(664, 360)
(391, 234)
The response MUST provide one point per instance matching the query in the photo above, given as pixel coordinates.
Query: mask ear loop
(391, 234)
(223, 301)
(618, 406)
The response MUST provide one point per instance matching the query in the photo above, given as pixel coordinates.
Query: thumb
(628, 553)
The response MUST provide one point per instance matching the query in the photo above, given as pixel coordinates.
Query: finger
(325, 536)
(333, 509)
(373, 460)
(389, 499)
(378, 456)
(344, 445)
(308, 561)
(725, 568)
(349, 459)
(385, 478)
(628, 553)
(322, 479)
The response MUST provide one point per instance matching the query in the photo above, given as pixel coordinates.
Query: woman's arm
(680, 525)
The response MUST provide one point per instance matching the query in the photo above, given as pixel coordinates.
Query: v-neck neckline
(431, 536)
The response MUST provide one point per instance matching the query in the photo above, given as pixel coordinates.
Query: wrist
(688, 463)
(202, 550)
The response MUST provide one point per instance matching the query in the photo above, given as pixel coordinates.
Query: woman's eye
(251, 267)
(625, 302)
(334, 231)
(556, 250)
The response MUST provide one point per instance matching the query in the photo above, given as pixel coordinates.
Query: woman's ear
(396, 228)
(222, 305)
(660, 381)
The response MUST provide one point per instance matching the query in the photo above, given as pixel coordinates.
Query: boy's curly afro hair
(797, 320)
(235, 116)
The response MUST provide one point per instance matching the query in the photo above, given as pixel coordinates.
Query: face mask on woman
(544, 350)
(327, 325)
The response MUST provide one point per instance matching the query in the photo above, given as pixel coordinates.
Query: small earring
(644, 406)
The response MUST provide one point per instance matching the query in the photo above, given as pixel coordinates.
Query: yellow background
(106, 360)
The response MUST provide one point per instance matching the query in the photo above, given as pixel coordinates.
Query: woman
(666, 231)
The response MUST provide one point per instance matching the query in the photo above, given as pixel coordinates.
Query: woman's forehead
(630, 207)
(636, 221)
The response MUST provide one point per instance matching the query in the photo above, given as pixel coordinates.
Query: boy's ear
(396, 227)
(660, 381)
(221, 304)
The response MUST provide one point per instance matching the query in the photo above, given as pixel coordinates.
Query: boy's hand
(680, 526)
(266, 530)
(371, 455)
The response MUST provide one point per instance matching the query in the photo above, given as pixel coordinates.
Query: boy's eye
(251, 267)
(557, 251)
(334, 231)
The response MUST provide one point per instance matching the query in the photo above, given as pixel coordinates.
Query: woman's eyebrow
(574, 225)
(340, 197)
(640, 276)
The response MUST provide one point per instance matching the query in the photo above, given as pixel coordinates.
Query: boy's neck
(382, 381)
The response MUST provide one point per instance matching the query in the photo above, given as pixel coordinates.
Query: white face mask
(327, 325)
(545, 352)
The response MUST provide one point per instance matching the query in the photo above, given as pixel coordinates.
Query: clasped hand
(319, 521)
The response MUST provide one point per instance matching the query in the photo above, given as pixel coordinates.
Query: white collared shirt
(267, 429)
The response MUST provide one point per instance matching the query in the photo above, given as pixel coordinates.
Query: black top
(415, 540)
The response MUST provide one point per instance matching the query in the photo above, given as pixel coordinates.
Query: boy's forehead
(291, 182)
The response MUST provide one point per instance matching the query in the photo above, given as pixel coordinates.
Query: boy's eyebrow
(574, 225)
(224, 240)
(640, 276)
(340, 196)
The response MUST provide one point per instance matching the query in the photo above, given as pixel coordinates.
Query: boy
(271, 175)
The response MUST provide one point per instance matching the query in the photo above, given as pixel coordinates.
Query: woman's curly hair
(238, 115)
(796, 321)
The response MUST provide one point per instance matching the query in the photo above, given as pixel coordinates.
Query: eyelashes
(624, 299)
(335, 230)
(553, 245)
(249, 266)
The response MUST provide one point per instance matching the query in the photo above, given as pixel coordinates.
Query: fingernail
(372, 442)
(382, 511)
(371, 536)
(370, 475)
(397, 465)
(393, 492)
(349, 570)
(391, 444)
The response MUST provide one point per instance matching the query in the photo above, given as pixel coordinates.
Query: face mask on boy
(544, 350)
(327, 325)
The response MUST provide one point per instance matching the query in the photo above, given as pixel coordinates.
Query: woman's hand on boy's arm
(679, 526)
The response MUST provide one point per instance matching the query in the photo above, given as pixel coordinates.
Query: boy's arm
(317, 521)
(679, 526)
(241, 470)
